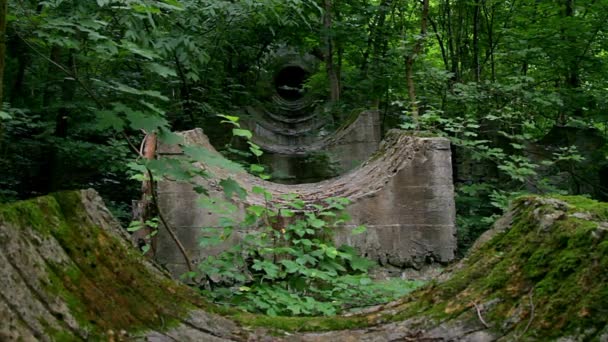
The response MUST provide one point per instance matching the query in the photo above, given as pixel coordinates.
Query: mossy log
(68, 273)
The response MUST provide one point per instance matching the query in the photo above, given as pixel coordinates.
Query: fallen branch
(531, 314)
(480, 316)
(166, 225)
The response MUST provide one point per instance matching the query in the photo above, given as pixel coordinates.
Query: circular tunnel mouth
(289, 82)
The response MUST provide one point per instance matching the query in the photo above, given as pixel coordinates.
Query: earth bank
(69, 273)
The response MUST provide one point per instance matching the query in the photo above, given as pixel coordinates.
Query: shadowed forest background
(520, 87)
(505, 102)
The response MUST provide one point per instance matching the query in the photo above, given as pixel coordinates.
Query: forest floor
(69, 273)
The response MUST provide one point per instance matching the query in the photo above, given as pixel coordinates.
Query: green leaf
(256, 151)
(258, 190)
(290, 266)
(306, 259)
(231, 187)
(295, 309)
(271, 270)
(360, 264)
(148, 54)
(359, 230)
(171, 5)
(161, 70)
(297, 204)
(135, 226)
(170, 138)
(316, 223)
(331, 252)
(365, 281)
(257, 210)
(5, 116)
(203, 155)
(148, 123)
(242, 133)
(233, 120)
(109, 120)
(287, 213)
(256, 168)
(130, 90)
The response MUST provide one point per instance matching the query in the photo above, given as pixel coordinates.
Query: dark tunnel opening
(289, 82)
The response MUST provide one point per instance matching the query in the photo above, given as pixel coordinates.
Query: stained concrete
(304, 136)
(315, 159)
(403, 194)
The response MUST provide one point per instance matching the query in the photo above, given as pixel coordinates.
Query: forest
(83, 79)
(90, 90)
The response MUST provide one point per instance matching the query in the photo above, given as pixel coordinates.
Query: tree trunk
(376, 49)
(18, 48)
(444, 55)
(3, 10)
(571, 77)
(334, 84)
(340, 52)
(57, 167)
(145, 208)
(452, 45)
(490, 28)
(476, 65)
(409, 64)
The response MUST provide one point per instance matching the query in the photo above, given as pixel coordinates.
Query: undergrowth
(289, 266)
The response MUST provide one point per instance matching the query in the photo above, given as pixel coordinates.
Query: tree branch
(480, 316)
(166, 225)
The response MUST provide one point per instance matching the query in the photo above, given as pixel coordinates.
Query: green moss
(107, 287)
(56, 335)
(293, 324)
(584, 204)
(39, 214)
(559, 270)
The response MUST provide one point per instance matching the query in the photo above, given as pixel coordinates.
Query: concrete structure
(335, 154)
(403, 194)
(305, 140)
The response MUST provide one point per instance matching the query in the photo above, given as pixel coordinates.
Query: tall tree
(3, 14)
(334, 83)
(411, 58)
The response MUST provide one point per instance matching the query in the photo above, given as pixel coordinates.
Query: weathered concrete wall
(357, 142)
(298, 162)
(403, 194)
(305, 139)
(411, 219)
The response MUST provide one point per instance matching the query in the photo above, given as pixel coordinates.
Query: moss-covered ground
(529, 281)
(533, 280)
(107, 287)
(540, 282)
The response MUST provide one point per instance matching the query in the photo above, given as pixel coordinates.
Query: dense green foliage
(290, 267)
(519, 86)
(285, 262)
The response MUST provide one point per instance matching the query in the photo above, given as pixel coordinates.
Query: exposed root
(480, 316)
